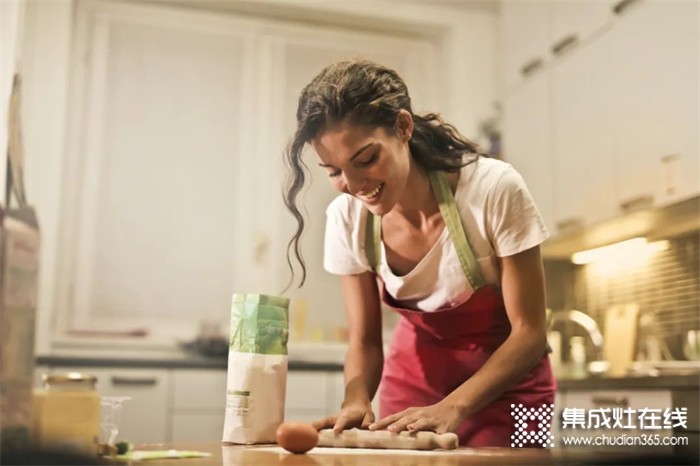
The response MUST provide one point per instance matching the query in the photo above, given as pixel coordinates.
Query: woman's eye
(369, 161)
(334, 174)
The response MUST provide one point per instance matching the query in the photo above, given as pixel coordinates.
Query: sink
(665, 368)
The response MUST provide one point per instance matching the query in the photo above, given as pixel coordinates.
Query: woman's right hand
(351, 415)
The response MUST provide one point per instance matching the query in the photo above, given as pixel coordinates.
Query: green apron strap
(453, 222)
(373, 238)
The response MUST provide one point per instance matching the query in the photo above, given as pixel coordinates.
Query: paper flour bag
(257, 368)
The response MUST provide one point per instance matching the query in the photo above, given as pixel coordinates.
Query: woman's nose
(353, 183)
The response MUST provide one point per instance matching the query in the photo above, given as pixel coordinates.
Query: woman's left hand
(440, 418)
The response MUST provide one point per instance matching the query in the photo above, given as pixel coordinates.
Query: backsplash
(667, 287)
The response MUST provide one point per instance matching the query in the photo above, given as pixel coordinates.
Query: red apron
(433, 353)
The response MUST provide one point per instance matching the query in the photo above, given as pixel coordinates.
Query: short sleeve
(514, 223)
(339, 257)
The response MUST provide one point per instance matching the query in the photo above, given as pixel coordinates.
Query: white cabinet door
(579, 19)
(198, 405)
(584, 182)
(144, 417)
(300, 59)
(161, 139)
(560, 402)
(633, 400)
(527, 139)
(525, 37)
(196, 426)
(654, 72)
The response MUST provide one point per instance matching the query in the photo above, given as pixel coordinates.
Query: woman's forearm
(505, 368)
(363, 371)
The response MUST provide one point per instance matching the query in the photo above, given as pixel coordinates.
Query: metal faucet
(585, 321)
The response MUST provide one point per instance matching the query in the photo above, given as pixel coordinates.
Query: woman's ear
(404, 125)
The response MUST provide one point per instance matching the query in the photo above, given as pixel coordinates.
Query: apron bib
(433, 353)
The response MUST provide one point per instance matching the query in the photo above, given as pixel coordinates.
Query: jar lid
(71, 378)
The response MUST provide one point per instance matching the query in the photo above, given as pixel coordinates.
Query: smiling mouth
(372, 195)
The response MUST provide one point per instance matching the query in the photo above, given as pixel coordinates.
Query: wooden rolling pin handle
(447, 441)
(383, 439)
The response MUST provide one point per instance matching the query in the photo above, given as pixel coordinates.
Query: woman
(448, 238)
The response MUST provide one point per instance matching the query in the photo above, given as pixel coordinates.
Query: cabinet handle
(620, 7)
(570, 223)
(637, 203)
(531, 66)
(668, 158)
(565, 44)
(610, 401)
(134, 381)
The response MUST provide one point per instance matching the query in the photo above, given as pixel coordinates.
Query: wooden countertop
(272, 455)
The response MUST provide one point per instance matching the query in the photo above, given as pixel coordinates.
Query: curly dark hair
(364, 93)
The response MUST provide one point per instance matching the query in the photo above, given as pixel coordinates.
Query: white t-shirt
(499, 218)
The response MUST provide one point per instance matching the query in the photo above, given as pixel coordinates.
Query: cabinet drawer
(689, 399)
(143, 417)
(633, 399)
(199, 389)
(197, 427)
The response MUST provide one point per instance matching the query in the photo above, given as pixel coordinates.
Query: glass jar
(67, 413)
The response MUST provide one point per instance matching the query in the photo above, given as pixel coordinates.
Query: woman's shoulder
(345, 208)
(487, 167)
(484, 175)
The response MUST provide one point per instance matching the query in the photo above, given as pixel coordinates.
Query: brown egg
(297, 437)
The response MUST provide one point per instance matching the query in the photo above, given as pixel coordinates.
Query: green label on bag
(259, 324)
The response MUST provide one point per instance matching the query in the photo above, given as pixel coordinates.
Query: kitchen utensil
(598, 367)
(620, 337)
(110, 414)
(691, 346)
(383, 439)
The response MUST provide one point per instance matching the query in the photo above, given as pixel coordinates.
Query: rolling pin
(383, 439)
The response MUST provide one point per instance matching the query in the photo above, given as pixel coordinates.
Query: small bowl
(691, 345)
(598, 367)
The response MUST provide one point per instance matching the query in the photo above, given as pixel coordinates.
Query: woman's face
(369, 163)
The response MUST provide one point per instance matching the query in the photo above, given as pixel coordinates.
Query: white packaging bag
(257, 368)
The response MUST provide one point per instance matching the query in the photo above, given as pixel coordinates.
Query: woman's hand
(351, 415)
(440, 418)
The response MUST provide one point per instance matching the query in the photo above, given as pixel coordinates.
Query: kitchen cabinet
(653, 75)
(620, 110)
(176, 404)
(527, 143)
(654, 393)
(533, 32)
(575, 22)
(634, 400)
(165, 122)
(525, 38)
(583, 138)
(144, 417)
(198, 405)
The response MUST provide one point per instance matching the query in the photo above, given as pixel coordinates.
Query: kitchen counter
(675, 381)
(183, 362)
(272, 455)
